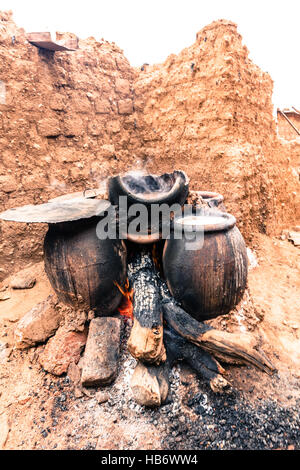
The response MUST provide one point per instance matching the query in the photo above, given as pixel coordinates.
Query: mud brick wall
(208, 110)
(64, 126)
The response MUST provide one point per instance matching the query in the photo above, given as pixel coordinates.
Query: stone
(73, 126)
(100, 360)
(62, 349)
(125, 106)
(102, 397)
(23, 279)
(57, 102)
(96, 127)
(74, 373)
(108, 150)
(113, 127)
(295, 238)
(102, 106)
(122, 86)
(8, 184)
(80, 104)
(37, 325)
(48, 127)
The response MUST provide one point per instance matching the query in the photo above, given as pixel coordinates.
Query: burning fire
(126, 307)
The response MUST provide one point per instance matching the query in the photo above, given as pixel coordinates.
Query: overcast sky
(148, 31)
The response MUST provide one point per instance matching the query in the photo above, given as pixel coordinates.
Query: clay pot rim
(229, 222)
(210, 195)
(180, 185)
(144, 239)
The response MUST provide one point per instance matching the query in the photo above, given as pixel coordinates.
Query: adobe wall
(208, 110)
(65, 126)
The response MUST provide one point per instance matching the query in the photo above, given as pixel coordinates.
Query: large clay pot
(81, 268)
(209, 279)
(147, 189)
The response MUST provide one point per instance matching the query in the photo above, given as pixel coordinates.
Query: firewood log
(150, 384)
(233, 348)
(146, 338)
(179, 349)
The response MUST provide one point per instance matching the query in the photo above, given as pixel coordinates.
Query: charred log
(233, 348)
(205, 366)
(146, 338)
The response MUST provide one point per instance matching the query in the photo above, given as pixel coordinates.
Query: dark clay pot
(81, 268)
(210, 279)
(168, 188)
(148, 189)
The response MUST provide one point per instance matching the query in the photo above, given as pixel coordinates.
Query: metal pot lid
(57, 211)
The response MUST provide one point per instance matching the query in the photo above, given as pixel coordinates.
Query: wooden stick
(150, 384)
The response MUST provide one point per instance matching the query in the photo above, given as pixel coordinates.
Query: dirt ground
(40, 411)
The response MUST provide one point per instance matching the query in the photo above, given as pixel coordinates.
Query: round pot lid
(207, 222)
(57, 211)
(86, 194)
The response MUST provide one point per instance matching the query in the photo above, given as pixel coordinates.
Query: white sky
(148, 31)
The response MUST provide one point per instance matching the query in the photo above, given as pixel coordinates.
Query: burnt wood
(205, 366)
(239, 348)
(146, 338)
(150, 384)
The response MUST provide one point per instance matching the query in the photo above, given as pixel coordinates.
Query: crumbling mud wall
(65, 124)
(208, 110)
(71, 119)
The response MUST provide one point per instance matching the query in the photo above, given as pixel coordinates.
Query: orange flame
(126, 307)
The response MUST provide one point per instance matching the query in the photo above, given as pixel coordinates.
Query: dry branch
(229, 347)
